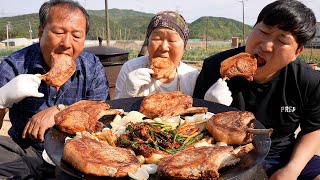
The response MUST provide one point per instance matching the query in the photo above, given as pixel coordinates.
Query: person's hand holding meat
(163, 48)
(273, 76)
(219, 92)
(69, 74)
(39, 123)
(18, 88)
(136, 79)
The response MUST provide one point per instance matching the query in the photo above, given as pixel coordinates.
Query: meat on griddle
(62, 69)
(167, 104)
(242, 64)
(201, 162)
(93, 157)
(162, 67)
(234, 127)
(83, 115)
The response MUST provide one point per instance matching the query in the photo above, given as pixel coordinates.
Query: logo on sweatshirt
(288, 109)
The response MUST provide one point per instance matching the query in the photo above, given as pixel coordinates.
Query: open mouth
(260, 61)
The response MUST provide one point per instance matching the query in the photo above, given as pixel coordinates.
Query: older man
(32, 103)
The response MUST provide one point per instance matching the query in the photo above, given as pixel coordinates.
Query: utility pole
(30, 30)
(243, 38)
(107, 23)
(207, 34)
(8, 29)
(103, 33)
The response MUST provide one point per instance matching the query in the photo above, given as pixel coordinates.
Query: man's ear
(40, 32)
(299, 50)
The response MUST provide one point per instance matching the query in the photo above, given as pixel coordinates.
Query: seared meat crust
(165, 104)
(231, 127)
(99, 159)
(63, 68)
(195, 163)
(242, 64)
(83, 116)
(162, 67)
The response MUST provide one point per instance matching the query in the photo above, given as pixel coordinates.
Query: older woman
(167, 36)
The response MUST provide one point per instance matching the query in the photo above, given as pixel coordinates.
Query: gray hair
(72, 5)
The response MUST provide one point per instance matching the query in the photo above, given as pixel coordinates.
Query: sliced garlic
(140, 174)
(150, 168)
(221, 144)
(154, 158)
(141, 159)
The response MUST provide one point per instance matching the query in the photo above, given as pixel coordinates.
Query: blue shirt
(88, 82)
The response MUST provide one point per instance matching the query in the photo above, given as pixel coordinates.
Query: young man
(63, 28)
(285, 92)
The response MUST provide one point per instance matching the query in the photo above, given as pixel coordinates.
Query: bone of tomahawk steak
(83, 116)
(201, 162)
(167, 104)
(234, 127)
(62, 69)
(93, 157)
(242, 64)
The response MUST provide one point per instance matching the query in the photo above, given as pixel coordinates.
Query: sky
(190, 9)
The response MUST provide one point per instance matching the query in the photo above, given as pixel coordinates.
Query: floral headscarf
(172, 20)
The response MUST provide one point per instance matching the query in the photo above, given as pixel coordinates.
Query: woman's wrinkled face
(64, 33)
(274, 48)
(166, 43)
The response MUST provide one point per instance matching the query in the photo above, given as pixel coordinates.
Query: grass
(311, 55)
(6, 52)
(200, 53)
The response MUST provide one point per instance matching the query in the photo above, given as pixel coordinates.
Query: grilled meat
(242, 64)
(83, 116)
(167, 104)
(200, 163)
(162, 67)
(62, 69)
(93, 157)
(231, 127)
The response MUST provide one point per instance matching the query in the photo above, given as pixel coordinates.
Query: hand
(18, 88)
(136, 79)
(219, 92)
(39, 123)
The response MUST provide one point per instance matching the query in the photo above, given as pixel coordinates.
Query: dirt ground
(195, 64)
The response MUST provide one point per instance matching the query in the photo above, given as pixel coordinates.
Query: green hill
(216, 28)
(126, 25)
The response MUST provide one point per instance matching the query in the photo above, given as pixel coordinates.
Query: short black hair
(292, 16)
(72, 5)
